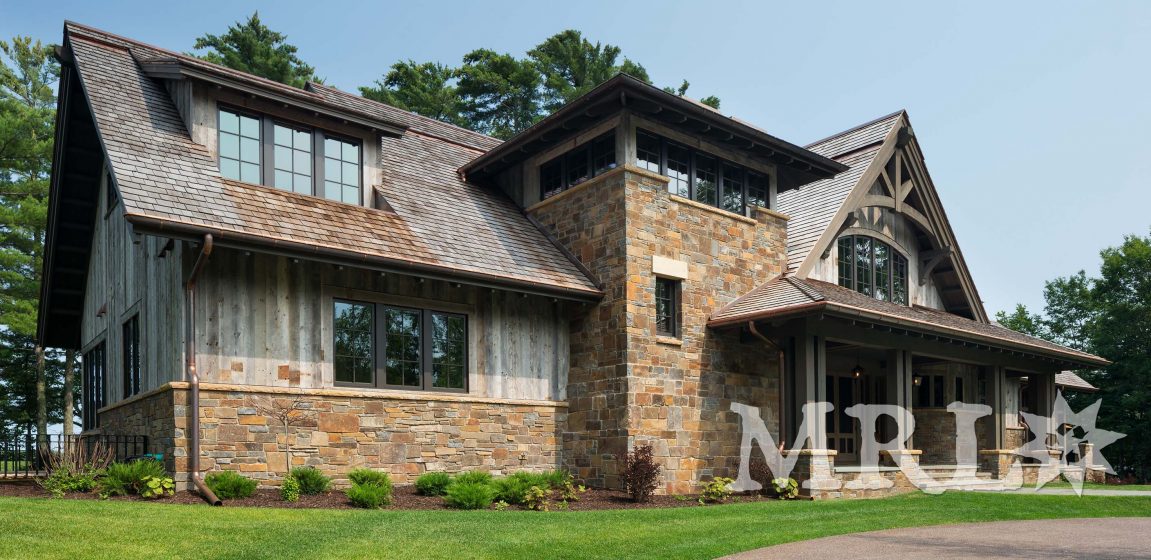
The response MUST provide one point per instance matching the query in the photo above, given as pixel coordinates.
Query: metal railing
(27, 456)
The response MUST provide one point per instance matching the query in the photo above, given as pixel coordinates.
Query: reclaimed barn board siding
(266, 320)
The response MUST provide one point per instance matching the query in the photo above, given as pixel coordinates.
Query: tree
(254, 48)
(571, 66)
(288, 413)
(28, 72)
(426, 89)
(499, 93)
(711, 100)
(1109, 316)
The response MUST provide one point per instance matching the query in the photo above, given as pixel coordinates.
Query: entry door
(843, 392)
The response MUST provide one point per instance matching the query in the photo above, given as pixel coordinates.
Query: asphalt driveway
(1057, 538)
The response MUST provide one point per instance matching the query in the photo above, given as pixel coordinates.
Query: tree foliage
(501, 94)
(1110, 316)
(252, 47)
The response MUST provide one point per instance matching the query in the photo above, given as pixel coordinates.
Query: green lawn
(73, 529)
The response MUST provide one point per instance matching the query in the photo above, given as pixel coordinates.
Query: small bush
(230, 485)
(640, 473)
(512, 489)
(474, 477)
(538, 499)
(785, 488)
(311, 480)
(433, 484)
(122, 479)
(469, 495)
(368, 476)
(557, 478)
(61, 482)
(290, 489)
(716, 490)
(153, 487)
(369, 496)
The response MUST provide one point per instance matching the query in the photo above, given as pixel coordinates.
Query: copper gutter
(191, 375)
(782, 381)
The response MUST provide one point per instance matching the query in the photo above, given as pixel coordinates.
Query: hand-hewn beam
(928, 260)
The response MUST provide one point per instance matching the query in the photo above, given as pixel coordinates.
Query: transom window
(872, 268)
(577, 166)
(702, 177)
(379, 345)
(257, 149)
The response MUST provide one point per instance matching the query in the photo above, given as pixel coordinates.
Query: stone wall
(156, 414)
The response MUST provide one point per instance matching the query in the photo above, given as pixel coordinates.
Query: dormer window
(872, 268)
(702, 177)
(258, 149)
(577, 166)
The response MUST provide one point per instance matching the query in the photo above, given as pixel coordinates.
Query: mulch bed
(405, 498)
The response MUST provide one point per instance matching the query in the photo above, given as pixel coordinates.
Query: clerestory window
(872, 268)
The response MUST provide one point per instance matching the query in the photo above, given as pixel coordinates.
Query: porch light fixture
(917, 381)
(857, 371)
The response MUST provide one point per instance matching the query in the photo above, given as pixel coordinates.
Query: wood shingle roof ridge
(856, 128)
(802, 286)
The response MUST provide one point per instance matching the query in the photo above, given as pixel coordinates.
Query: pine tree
(254, 48)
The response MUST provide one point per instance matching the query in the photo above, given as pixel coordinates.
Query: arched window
(872, 268)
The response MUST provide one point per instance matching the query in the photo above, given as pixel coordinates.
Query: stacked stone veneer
(345, 429)
(628, 386)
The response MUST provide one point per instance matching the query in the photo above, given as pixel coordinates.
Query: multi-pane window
(701, 177)
(577, 166)
(130, 355)
(379, 345)
(94, 375)
(929, 392)
(667, 315)
(257, 149)
(292, 159)
(239, 146)
(341, 170)
(873, 268)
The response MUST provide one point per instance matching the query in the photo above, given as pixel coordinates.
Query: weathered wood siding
(896, 230)
(126, 277)
(266, 320)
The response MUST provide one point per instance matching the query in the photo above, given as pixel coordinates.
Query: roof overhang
(911, 327)
(175, 68)
(625, 92)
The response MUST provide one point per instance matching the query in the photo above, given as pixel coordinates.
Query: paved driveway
(1060, 538)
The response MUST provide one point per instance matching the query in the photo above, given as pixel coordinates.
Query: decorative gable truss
(897, 180)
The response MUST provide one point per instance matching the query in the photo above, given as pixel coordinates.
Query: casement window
(929, 391)
(262, 150)
(872, 268)
(130, 355)
(578, 165)
(702, 177)
(667, 307)
(94, 377)
(378, 345)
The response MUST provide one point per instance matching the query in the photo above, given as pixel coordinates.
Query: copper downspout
(192, 377)
(782, 382)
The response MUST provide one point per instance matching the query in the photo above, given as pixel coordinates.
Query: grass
(95, 529)
(1095, 486)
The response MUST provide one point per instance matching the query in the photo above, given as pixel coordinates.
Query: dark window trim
(722, 164)
(379, 348)
(268, 149)
(318, 180)
(130, 355)
(675, 320)
(589, 157)
(893, 254)
(94, 395)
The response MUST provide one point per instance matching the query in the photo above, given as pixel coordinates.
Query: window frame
(130, 360)
(675, 302)
(95, 394)
(240, 112)
(722, 166)
(895, 258)
(318, 164)
(426, 358)
(588, 148)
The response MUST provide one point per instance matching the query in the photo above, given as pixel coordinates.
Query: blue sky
(1033, 116)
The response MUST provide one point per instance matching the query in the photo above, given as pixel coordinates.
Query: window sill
(668, 340)
(712, 209)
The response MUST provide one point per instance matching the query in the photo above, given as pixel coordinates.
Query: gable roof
(789, 296)
(171, 186)
(1071, 381)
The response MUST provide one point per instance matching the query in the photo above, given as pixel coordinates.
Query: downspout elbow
(192, 376)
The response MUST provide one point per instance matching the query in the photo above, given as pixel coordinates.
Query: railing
(23, 456)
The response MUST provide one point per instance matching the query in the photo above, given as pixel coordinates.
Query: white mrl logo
(1054, 440)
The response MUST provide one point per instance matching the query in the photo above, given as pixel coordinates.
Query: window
(341, 170)
(667, 314)
(379, 345)
(873, 268)
(259, 150)
(577, 166)
(701, 177)
(929, 392)
(292, 159)
(92, 399)
(130, 355)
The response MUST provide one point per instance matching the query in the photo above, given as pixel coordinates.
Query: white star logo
(1059, 436)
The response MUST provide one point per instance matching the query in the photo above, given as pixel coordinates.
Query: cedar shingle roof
(813, 206)
(1069, 380)
(789, 296)
(440, 223)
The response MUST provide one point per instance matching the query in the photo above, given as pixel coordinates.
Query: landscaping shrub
(60, 482)
(718, 489)
(368, 476)
(640, 473)
(290, 489)
(512, 489)
(469, 495)
(153, 487)
(785, 488)
(476, 477)
(433, 484)
(311, 480)
(369, 496)
(538, 498)
(121, 479)
(557, 478)
(230, 485)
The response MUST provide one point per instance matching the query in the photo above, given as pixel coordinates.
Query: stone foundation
(158, 415)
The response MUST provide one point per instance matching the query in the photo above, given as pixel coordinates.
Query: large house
(620, 273)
